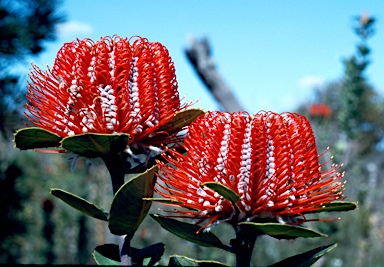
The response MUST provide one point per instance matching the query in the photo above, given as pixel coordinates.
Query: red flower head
(269, 160)
(319, 110)
(108, 86)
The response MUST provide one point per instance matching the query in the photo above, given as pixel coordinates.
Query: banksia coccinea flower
(319, 110)
(269, 160)
(108, 86)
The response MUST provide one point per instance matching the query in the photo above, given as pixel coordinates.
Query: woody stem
(116, 164)
(243, 246)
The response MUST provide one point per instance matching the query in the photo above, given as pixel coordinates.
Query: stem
(116, 166)
(125, 250)
(243, 247)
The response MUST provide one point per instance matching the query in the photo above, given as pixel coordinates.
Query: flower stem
(243, 246)
(125, 250)
(116, 165)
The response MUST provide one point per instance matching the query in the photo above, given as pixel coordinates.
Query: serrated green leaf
(305, 259)
(34, 137)
(278, 230)
(163, 200)
(336, 206)
(128, 209)
(224, 191)
(93, 145)
(107, 254)
(80, 204)
(181, 119)
(189, 232)
(176, 260)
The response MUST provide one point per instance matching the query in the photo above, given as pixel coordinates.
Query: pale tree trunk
(199, 55)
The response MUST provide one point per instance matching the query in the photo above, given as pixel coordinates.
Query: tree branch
(199, 55)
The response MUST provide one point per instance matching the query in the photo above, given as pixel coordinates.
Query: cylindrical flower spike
(108, 86)
(269, 160)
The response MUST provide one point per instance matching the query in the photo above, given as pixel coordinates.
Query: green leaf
(278, 230)
(181, 119)
(30, 138)
(337, 206)
(80, 204)
(92, 145)
(101, 260)
(189, 232)
(305, 259)
(128, 209)
(176, 260)
(107, 254)
(226, 192)
(173, 125)
(147, 256)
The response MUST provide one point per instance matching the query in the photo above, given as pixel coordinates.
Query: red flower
(268, 159)
(319, 110)
(108, 86)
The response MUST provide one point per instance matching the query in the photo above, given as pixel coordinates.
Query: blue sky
(271, 53)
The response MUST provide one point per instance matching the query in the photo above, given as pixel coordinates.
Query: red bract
(108, 86)
(268, 159)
